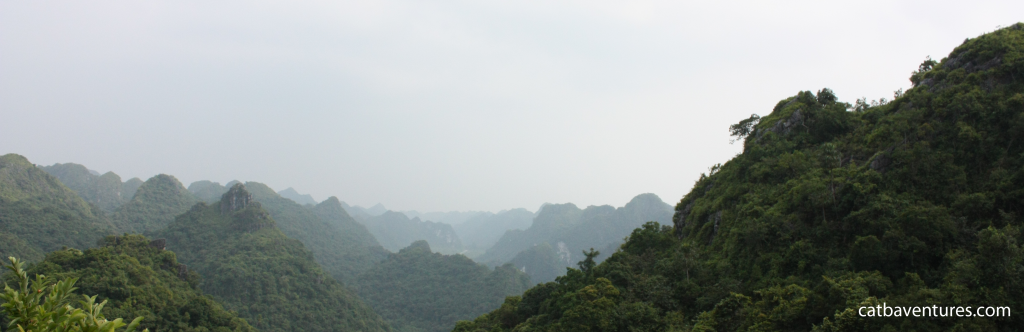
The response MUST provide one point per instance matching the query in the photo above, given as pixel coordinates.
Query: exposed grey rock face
(679, 219)
(158, 243)
(717, 219)
(235, 199)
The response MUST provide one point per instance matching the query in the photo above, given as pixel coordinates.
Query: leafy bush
(139, 278)
(42, 306)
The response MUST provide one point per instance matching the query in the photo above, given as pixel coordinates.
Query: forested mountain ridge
(394, 231)
(343, 247)
(361, 214)
(551, 220)
(291, 194)
(38, 214)
(154, 205)
(419, 290)
(253, 268)
(483, 230)
(830, 207)
(105, 191)
(207, 191)
(139, 278)
(561, 232)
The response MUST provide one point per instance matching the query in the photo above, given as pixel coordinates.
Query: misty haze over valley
(418, 166)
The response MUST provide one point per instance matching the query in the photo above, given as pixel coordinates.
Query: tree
(45, 307)
(744, 128)
(588, 263)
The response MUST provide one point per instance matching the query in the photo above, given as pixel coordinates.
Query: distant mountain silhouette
(394, 231)
(291, 194)
(568, 231)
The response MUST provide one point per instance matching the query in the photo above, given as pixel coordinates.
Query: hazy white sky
(442, 105)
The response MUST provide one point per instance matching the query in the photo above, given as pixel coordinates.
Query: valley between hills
(831, 206)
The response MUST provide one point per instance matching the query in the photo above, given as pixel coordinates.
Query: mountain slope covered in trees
(567, 231)
(139, 278)
(38, 214)
(483, 229)
(155, 204)
(831, 207)
(343, 247)
(419, 290)
(105, 191)
(253, 268)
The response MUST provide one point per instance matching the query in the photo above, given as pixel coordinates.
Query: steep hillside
(394, 230)
(343, 247)
(482, 230)
(291, 194)
(361, 214)
(38, 214)
(253, 268)
(155, 204)
(551, 222)
(417, 290)
(541, 262)
(139, 278)
(105, 191)
(129, 188)
(832, 207)
(568, 231)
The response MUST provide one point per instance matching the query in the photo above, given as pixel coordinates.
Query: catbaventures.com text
(884, 310)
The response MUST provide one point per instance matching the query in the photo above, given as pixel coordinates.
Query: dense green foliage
(568, 231)
(38, 214)
(254, 269)
(136, 278)
(913, 202)
(156, 203)
(394, 231)
(42, 306)
(105, 191)
(343, 247)
(541, 262)
(417, 290)
(130, 187)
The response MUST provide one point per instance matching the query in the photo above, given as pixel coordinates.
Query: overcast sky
(442, 105)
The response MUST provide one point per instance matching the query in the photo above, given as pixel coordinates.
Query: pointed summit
(331, 207)
(302, 199)
(421, 245)
(235, 199)
(154, 205)
(377, 210)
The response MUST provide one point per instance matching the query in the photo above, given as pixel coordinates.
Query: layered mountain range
(833, 212)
